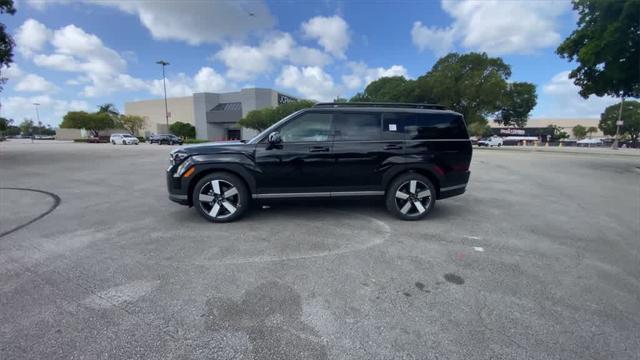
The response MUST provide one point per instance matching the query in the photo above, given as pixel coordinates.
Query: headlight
(177, 157)
(182, 168)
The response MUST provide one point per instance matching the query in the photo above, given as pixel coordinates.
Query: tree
(4, 124)
(182, 129)
(579, 131)
(360, 97)
(606, 47)
(340, 100)
(630, 118)
(93, 122)
(108, 109)
(26, 127)
(472, 84)
(132, 123)
(391, 89)
(556, 132)
(591, 130)
(263, 118)
(479, 129)
(6, 41)
(518, 101)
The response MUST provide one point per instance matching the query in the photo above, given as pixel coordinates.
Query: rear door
(365, 147)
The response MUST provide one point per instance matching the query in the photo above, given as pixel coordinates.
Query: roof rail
(381, 104)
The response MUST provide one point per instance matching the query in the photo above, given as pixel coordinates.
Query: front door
(302, 163)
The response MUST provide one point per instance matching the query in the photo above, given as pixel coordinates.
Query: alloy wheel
(413, 198)
(219, 198)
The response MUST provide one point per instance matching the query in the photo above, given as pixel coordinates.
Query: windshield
(127, 136)
(264, 133)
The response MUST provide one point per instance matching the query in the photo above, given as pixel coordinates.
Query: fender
(234, 162)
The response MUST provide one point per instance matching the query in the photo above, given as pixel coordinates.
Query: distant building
(214, 115)
(539, 127)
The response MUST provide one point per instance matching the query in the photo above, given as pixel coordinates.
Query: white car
(124, 139)
(590, 142)
(491, 142)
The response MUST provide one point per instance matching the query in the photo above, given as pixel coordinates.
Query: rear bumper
(452, 191)
(456, 184)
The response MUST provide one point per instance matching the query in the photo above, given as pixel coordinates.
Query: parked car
(408, 154)
(124, 139)
(589, 142)
(168, 139)
(491, 141)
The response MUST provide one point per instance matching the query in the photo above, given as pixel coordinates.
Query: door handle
(319, 149)
(392, 147)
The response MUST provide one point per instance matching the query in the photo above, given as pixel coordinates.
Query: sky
(76, 55)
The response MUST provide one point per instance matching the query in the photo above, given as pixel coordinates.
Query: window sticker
(392, 127)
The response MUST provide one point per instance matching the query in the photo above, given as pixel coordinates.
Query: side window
(394, 126)
(307, 127)
(437, 126)
(357, 126)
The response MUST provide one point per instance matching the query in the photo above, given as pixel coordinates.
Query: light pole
(164, 85)
(37, 113)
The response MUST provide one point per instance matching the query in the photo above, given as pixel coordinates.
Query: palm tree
(108, 109)
(591, 130)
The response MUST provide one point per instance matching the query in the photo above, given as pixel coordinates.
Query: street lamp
(164, 85)
(37, 113)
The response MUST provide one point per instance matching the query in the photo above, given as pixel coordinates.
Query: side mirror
(274, 138)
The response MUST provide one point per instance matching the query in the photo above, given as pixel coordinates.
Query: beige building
(181, 109)
(214, 115)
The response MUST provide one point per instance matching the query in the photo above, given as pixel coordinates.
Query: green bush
(80, 140)
(141, 138)
(195, 141)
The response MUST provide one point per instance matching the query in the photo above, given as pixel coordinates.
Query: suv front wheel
(220, 197)
(411, 196)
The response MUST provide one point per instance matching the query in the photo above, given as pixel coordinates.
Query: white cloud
(309, 56)
(208, 80)
(34, 83)
(31, 37)
(205, 80)
(332, 33)
(78, 51)
(440, 41)
(561, 99)
(497, 27)
(11, 72)
(245, 62)
(195, 21)
(311, 82)
(51, 110)
(361, 75)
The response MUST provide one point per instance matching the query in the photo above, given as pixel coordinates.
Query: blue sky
(76, 55)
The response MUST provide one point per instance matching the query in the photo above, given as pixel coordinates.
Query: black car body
(331, 150)
(168, 139)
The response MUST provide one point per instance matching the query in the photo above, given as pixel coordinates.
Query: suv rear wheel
(220, 197)
(411, 196)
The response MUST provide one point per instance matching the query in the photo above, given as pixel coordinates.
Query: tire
(124, 142)
(113, 142)
(407, 208)
(218, 202)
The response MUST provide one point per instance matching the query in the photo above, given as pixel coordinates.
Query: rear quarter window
(431, 126)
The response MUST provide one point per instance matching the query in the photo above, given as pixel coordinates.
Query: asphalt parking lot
(540, 259)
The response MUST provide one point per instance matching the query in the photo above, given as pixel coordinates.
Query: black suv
(168, 139)
(412, 154)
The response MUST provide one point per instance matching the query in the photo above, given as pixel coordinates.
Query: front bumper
(178, 188)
